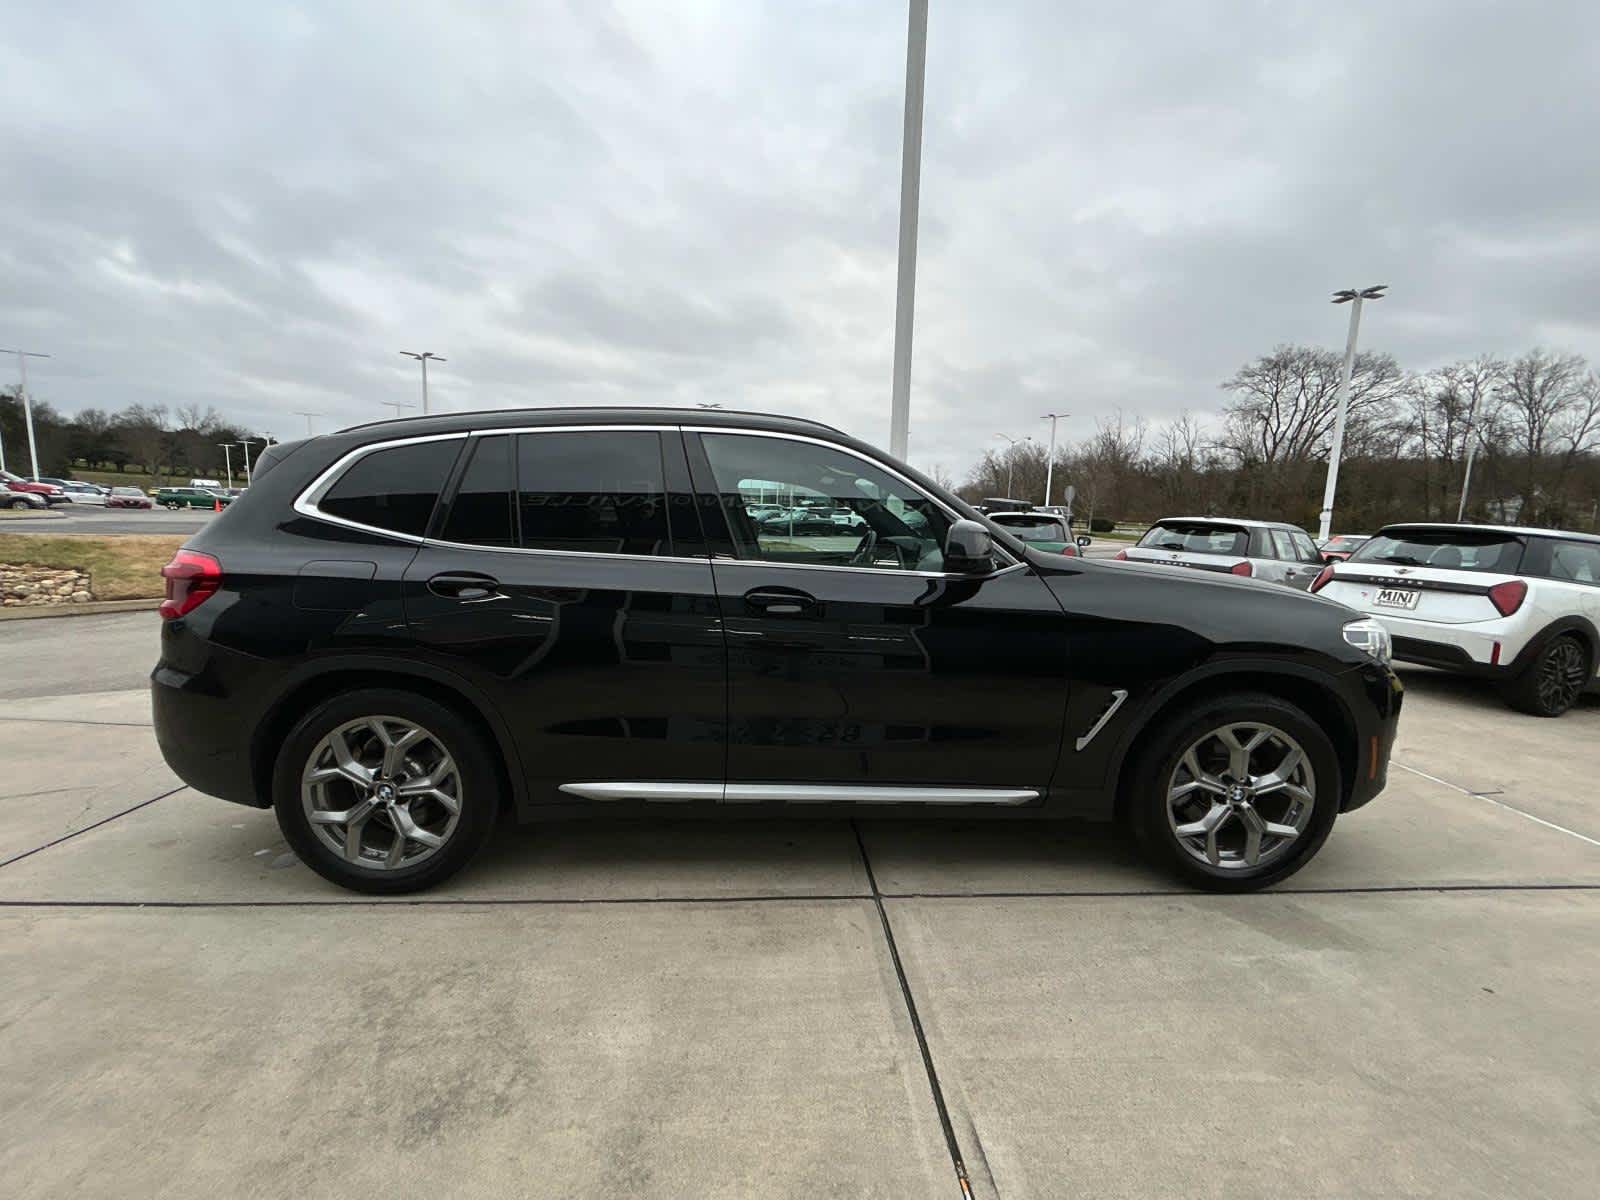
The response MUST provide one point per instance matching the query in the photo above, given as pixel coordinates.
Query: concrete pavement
(673, 1008)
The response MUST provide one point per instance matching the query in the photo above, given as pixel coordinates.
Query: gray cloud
(257, 207)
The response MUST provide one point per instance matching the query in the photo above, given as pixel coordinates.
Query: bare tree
(1540, 393)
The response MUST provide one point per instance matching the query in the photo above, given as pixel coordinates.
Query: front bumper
(1379, 696)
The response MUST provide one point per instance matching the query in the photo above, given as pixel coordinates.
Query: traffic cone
(216, 504)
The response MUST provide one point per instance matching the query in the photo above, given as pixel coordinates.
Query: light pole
(423, 359)
(397, 405)
(1011, 459)
(1050, 462)
(245, 442)
(1325, 522)
(1472, 452)
(307, 415)
(910, 189)
(27, 405)
(227, 457)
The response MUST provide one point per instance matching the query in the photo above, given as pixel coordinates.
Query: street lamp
(397, 405)
(300, 412)
(27, 405)
(1325, 522)
(423, 359)
(1011, 459)
(227, 457)
(246, 443)
(1050, 463)
(910, 189)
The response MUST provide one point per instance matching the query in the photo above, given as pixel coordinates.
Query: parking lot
(675, 1009)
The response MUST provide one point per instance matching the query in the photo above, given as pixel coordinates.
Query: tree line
(1531, 424)
(153, 439)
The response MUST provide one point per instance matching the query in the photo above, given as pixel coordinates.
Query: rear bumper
(1476, 648)
(203, 731)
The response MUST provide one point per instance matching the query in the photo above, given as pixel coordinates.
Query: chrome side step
(795, 793)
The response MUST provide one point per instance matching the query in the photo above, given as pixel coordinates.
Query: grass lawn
(125, 567)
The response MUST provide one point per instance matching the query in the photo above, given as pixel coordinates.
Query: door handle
(466, 587)
(780, 602)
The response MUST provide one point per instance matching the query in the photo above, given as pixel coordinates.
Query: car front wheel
(1236, 793)
(385, 791)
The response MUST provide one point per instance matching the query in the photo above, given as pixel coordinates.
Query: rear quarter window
(393, 489)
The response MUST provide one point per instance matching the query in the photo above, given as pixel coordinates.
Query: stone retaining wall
(25, 585)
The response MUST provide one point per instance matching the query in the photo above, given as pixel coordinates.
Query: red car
(1337, 549)
(51, 493)
(128, 497)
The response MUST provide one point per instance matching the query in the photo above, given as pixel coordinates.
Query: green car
(190, 497)
(1041, 530)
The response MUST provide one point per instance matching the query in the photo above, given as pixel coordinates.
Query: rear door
(1439, 575)
(1204, 545)
(567, 578)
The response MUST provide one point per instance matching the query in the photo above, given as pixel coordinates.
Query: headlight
(1370, 635)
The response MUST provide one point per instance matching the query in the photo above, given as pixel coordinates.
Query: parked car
(207, 484)
(408, 627)
(1041, 530)
(1341, 546)
(79, 492)
(49, 491)
(190, 497)
(1269, 550)
(1515, 605)
(20, 499)
(128, 497)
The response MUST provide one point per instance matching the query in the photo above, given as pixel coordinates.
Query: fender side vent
(1106, 713)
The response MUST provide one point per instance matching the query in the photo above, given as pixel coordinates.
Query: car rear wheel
(385, 791)
(18, 502)
(1235, 793)
(1553, 681)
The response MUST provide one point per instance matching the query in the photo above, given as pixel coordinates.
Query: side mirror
(1084, 539)
(969, 549)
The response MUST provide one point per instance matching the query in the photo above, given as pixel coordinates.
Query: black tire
(19, 503)
(479, 791)
(1160, 756)
(1553, 681)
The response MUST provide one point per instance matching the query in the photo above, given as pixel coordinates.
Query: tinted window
(1306, 547)
(1575, 562)
(393, 489)
(1195, 538)
(480, 512)
(1449, 549)
(596, 491)
(1031, 529)
(1283, 545)
(832, 508)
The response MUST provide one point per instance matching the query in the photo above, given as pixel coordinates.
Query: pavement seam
(1489, 798)
(67, 837)
(939, 1104)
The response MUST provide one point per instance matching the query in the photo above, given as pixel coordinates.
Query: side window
(393, 489)
(1283, 545)
(1575, 562)
(797, 502)
(595, 491)
(480, 512)
(1307, 549)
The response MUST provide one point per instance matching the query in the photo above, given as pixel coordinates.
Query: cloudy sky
(256, 206)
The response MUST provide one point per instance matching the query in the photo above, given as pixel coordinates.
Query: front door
(857, 669)
(563, 581)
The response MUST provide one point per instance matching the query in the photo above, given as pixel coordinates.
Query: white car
(1521, 606)
(1274, 551)
(84, 493)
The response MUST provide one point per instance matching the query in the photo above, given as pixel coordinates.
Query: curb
(87, 609)
(31, 514)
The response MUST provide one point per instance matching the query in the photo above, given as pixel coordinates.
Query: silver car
(1271, 550)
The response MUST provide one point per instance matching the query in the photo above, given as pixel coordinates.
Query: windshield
(1449, 549)
(1193, 538)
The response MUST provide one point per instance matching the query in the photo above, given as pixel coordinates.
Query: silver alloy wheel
(381, 792)
(1241, 796)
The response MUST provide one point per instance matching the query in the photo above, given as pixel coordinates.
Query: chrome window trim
(306, 503)
(793, 793)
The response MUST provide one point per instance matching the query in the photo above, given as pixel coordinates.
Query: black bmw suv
(405, 630)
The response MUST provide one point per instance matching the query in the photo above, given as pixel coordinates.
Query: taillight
(1324, 577)
(1122, 554)
(1241, 568)
(191, 578)
(1508, 596)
